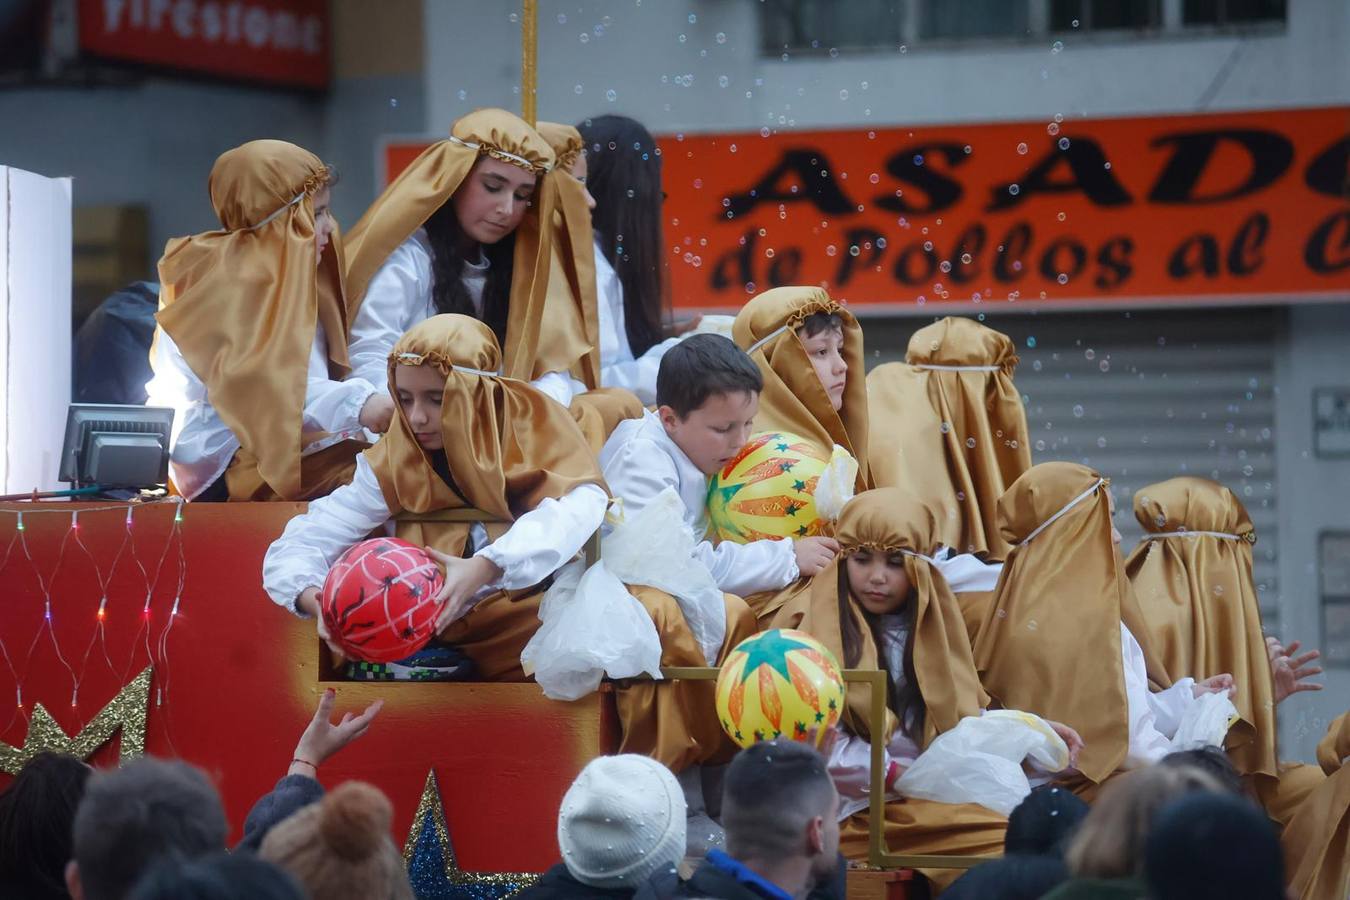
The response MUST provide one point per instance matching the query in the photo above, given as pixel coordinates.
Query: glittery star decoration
(433, 869)
(126, 711)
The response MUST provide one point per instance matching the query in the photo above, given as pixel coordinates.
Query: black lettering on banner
(1332, 235)
(861, 238)
(1270, 155)
(1198, 253)
(736, 267)
(1010, 261)
(814, 180)
(1051, 260)
(1329, 173)
(942, 192)
(903, 264)
(1244, 254)
(969, 244)
(1088, 175)
(1113, 258)
(785, 268)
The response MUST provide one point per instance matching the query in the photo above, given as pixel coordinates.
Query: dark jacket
(711, 882)
(292, 793)
(558, 884)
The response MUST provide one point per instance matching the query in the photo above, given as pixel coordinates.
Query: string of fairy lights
(166, 566)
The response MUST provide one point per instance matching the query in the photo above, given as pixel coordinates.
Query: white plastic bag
(835, 486)
(1205, 722)
(980, 761)
(655, 548)
(592, 627)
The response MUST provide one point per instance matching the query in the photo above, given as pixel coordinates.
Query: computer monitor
(111, 445)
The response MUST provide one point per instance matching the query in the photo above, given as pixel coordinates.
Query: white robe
(534, 547)
(399, 297)
(202, 445)
(1154, 717)
(618, 367)
(640, 461)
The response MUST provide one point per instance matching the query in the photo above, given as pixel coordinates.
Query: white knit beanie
(621, 820)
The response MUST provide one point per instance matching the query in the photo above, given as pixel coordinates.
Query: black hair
(703, 365)
(220, 876)
(1044, 821)
(772, 791)
(902, 695)
(1211, 760)
(623, 174)
(1013, 877)
(133, 817)
(36, 813)
(815, 323)
(1206, 846)
(448, 293)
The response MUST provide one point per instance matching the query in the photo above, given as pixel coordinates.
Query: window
(804, 25)
(1232, 12)
(962, 19)
(1102, 15)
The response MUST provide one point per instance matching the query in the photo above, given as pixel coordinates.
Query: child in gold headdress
(949, 426)
(466, 229)
(1064, 636)
(1192, 576)
(885, 604)
(251, 344)
(464, 437)
(809, 349)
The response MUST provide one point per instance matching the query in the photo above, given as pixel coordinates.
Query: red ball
(378, 600)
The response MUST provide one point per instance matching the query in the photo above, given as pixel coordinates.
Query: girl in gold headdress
(968, 441)
(1064, 636)
(464, 437)
(1192, 575)
(466, 229)
(809, 349)
(256, 310)
(885, 604)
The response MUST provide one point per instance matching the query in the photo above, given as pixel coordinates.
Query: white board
(35, 341)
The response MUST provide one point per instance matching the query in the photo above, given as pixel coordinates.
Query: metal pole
(529, 60)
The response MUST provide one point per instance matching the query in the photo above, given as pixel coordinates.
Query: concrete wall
(708, 74)
(1314, 496)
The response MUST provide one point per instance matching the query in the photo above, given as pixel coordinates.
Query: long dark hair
(623, 173)
(904, 699)
(448, 292)
(36, 815)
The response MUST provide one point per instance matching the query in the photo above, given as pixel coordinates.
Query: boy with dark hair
(707, 394)
(135, 816)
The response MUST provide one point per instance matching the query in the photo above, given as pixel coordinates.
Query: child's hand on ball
(463, 579)
(308, 604)
(814, 554)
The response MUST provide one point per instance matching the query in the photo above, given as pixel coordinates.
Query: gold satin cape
(1050, 641)
(242, 304)
(982, 425)
(887, 520)
(1316, 841)
(793, 399)
(530, 349)
(508, 448)
(1199, 601)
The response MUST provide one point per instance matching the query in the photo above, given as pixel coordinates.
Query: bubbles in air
(611, 95)
(1078, 411)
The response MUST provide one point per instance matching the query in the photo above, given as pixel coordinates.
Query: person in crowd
(37, 812)
(1207, 846)
(220, 876)
(621, 821)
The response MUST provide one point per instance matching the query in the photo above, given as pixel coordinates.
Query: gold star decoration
(454, 881)
(126, 711)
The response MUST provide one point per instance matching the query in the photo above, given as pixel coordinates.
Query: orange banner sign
(1184, 210)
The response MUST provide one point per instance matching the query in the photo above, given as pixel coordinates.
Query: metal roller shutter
(1142, 396)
